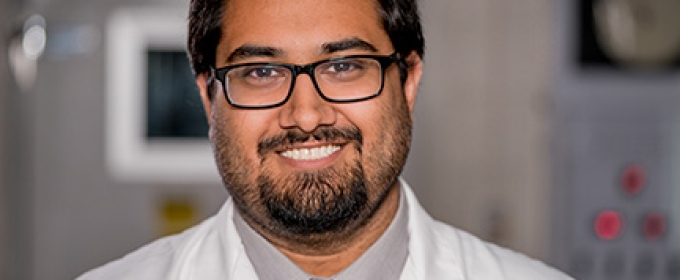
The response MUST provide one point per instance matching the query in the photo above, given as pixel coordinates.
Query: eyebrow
(348, 44)
(249, 51)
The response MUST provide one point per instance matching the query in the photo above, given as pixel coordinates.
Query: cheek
(237, 133)
(374, 116)
(379, 120)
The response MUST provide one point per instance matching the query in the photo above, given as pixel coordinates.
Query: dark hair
(400, 19)
(205, 32)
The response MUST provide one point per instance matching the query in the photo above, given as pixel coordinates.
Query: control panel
(617, 140)
(621, 200)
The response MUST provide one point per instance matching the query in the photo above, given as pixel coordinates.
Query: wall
(479, 157)
(4, 88)
(82, 217)
(482, 119)
(15, 235)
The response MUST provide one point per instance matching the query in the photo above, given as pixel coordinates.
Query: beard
(315, 202)
(302, 205)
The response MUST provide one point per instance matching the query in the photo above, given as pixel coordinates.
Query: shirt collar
(384, 260)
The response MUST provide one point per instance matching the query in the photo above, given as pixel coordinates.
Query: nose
(306, 109)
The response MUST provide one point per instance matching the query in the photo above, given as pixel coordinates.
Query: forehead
(300, 26)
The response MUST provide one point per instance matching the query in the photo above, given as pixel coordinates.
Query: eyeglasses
(340, 79)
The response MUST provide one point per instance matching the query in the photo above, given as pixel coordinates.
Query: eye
(343, 66)
(261, 72)
(258, 75)
(346, 69)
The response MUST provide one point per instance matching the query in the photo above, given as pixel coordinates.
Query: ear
(202, 83)
(415, 71)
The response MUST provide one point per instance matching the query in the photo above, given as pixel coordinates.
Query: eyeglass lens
(264, 84)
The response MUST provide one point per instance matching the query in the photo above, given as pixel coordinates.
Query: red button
(608, 225)
(654, 226)
(633, 179)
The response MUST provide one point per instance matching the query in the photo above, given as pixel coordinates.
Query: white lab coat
(213, 250)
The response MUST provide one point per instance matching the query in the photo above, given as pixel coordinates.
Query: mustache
(294, 136)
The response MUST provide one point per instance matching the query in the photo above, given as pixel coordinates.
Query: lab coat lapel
(239, 266)
(431, 255)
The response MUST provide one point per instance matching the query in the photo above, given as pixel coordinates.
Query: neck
(336, 252)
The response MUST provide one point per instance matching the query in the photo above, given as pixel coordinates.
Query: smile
(311, 153)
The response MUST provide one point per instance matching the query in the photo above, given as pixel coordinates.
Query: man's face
(309, 166)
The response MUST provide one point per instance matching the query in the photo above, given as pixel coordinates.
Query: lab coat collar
(238, 264)
(431, 256)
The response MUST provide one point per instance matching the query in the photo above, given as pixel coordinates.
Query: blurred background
(547, 126)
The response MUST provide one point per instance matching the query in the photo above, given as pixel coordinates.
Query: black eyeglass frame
(384, 60)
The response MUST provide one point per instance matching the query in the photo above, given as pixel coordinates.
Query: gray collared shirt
(385, 259)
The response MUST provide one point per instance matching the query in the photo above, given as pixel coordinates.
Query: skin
(298, 30)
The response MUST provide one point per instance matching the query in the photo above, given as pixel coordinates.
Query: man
(309, 104)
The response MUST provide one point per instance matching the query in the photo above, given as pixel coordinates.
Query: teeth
(311, 154)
